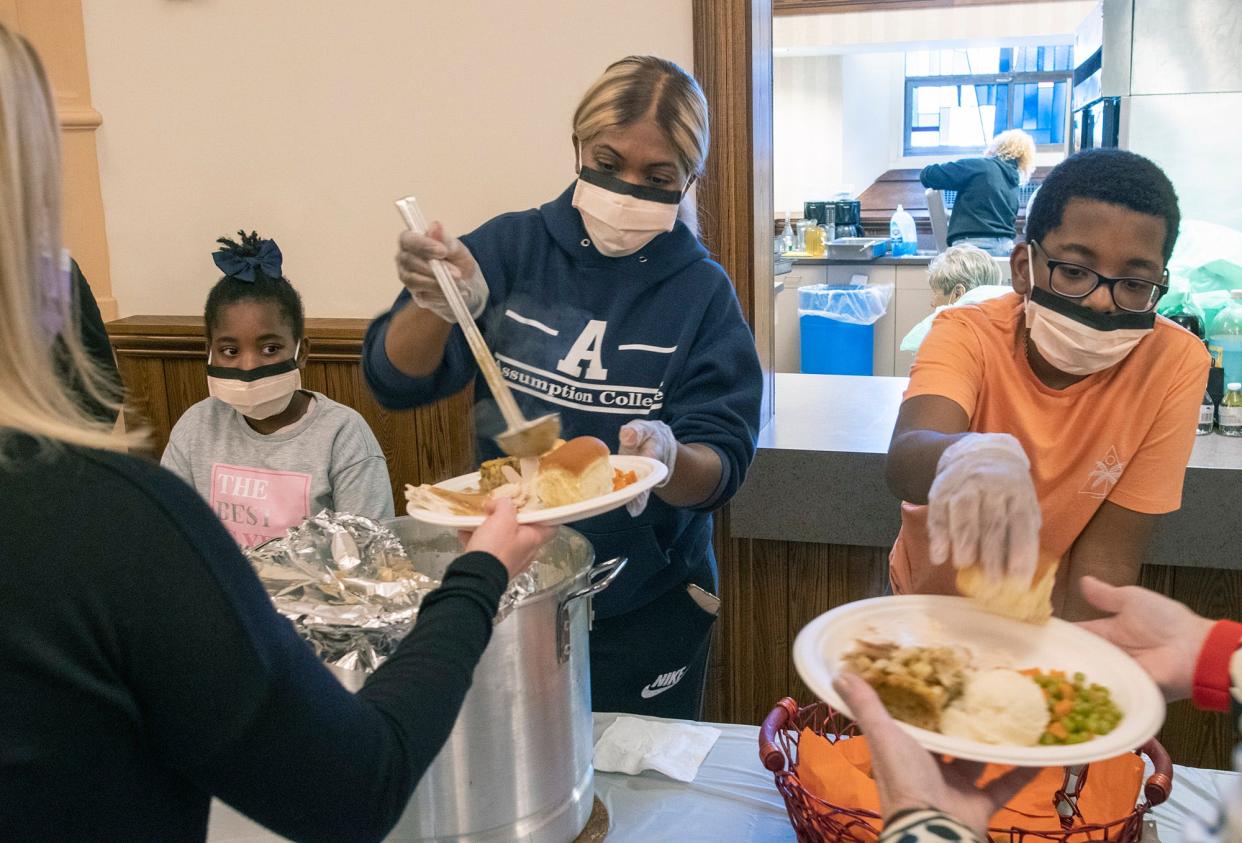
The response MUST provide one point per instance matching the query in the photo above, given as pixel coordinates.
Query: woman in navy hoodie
(604, 306)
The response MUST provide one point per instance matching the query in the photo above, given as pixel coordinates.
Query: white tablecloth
(734, 799)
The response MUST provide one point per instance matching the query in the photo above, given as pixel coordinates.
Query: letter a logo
(586, 349)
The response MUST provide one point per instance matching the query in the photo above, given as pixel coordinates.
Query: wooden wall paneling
(770, 677)
(823, 577)
(445, 436)
(146, 401)
(721, 666)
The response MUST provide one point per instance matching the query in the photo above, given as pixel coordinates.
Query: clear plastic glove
(652, 439)
(982, 507)
(414, 269)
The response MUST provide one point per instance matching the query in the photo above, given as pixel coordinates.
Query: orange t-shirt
(1122, 435)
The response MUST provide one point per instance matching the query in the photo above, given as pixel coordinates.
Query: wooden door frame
(733, 63)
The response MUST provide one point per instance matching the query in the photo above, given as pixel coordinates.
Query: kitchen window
(957, 100)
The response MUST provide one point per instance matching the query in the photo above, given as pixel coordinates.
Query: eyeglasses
(1073, 281)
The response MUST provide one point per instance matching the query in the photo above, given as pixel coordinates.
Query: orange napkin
(840, 773)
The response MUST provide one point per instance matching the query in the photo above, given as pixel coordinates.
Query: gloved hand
(982, 508)
(652, 439)
(414, 270)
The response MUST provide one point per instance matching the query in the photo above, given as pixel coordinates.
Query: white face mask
(256, 393)
(1077, 340)
(621, 217)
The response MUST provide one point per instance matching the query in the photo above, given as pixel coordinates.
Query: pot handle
(600, 577)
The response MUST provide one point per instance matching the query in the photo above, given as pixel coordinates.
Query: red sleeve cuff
(1211, 686)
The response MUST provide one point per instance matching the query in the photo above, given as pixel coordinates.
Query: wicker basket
(815, 820)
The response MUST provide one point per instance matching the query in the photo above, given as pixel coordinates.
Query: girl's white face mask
(620, 217)
(256, 393)
(1077, 340)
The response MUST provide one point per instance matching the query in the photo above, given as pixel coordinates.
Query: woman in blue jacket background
(987, 191)
(603, 305)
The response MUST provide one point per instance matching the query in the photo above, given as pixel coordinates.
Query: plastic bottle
(800, 235)
(1231, 411)
(815, 241)
(1187, 314)
(903, 238)
(1225, 338)
(787, 235)
(1207, 415)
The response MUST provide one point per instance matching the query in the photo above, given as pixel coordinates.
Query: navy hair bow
(242, 267)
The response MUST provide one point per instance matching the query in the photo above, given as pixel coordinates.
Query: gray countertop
(818, 476)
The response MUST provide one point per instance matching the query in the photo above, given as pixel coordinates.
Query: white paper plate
(994, 641)
(649, 471)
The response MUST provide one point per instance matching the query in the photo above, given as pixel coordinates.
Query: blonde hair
(1016, 146)
(35, 368)
(641, 87)
(963, 264)
(638, 87)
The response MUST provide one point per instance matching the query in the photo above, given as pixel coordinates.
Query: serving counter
(733, 798)
(814, 522)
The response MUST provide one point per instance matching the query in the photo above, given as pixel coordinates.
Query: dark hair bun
(248, 258)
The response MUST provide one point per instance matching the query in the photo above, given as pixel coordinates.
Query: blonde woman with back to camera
(986, 208)
(143, 668)
(604, 306)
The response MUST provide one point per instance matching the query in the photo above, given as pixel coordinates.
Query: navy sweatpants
(653, 660)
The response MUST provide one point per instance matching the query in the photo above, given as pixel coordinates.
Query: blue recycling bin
(837, 328)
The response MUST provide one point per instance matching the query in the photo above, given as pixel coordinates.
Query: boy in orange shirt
(1069, 399)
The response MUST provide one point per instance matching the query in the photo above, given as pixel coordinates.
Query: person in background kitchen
(1069, 399)
(1189, 657)
(603, 305)
(143, 668)
(986, 208)
(265, 453)
(960, 275)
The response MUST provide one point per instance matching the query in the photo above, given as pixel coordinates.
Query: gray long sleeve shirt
(260, 485)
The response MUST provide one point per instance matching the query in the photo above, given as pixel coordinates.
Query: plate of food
(973, 684)
(577, 479)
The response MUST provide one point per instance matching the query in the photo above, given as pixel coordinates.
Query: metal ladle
(522, 438)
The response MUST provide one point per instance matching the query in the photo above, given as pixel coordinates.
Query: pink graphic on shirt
(256, 504)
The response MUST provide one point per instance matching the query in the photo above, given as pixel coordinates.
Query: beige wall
(806, 130)
(306, 120)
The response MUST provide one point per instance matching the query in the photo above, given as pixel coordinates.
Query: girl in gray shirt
(262, 451)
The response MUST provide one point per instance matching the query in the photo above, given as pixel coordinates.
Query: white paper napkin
(631, 745)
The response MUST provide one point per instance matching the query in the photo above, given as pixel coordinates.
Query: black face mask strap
(615, 185)
(1091, 318)
(251, 375)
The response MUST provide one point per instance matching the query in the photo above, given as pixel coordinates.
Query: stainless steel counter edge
(818, 477)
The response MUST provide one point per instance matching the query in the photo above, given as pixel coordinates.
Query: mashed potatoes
(997, 707)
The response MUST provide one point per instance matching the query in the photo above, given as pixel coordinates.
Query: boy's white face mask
(256, 393)
(1077, 340)
(620, 217)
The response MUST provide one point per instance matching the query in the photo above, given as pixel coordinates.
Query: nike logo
(663, 682)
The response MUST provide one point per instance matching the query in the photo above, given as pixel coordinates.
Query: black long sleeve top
(143, 670)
